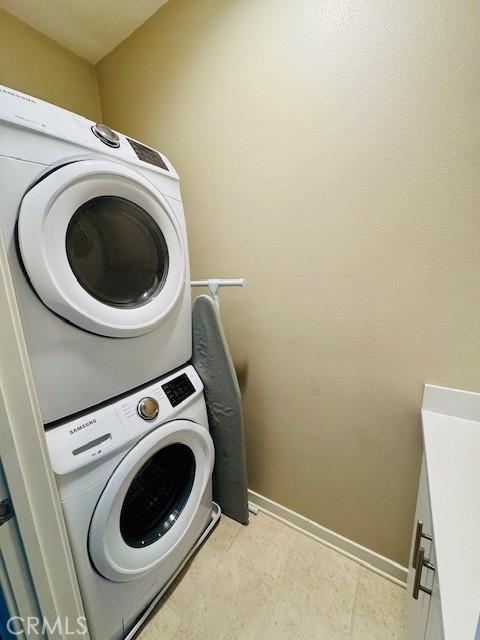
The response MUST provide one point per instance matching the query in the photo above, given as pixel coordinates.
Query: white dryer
(134, 479)
(95, 233)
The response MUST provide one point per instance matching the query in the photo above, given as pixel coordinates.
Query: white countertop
(451, 432)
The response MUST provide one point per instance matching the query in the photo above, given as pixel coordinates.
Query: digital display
(147, 155)
(178, 389)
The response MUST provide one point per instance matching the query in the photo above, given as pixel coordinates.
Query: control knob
(106, 135)
(148, 408)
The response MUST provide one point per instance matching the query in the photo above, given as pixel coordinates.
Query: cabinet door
(418, 609)
(434, 630)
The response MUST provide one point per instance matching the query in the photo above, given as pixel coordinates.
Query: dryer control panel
(107, 429)
(57, 126)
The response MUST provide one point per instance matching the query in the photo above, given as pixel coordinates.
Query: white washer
(95, 233)
(134, 479)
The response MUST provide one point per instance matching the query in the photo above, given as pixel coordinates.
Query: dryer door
(102, 248)
(149, 503)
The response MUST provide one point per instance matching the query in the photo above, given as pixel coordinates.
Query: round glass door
(103, 248)
(117, 252)
(157, 495)
(151, 500)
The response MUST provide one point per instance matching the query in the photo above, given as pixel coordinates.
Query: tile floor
(267, 581)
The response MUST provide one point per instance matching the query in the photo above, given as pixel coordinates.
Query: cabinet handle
(419, 534)
(421, 562)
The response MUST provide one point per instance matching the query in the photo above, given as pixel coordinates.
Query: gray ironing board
(212, 360)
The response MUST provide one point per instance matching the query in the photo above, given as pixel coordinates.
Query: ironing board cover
(213, 362)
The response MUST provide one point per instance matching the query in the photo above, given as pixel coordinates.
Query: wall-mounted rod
(214, 284)
(225, 282)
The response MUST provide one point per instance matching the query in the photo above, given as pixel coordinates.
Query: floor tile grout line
(234, 537)
(217, 559)
(200, 633)
(219, 554)
(276, 586)
(269, 613)
(175, 635)
(354, 608)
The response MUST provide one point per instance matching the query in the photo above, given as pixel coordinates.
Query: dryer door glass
(157, 495)
(104, 248)
(117, 252)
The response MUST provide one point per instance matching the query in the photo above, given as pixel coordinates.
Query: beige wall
(32, 63)
(329, 153)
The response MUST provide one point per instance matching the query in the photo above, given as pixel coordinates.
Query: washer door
(102, 248)
(149, 503)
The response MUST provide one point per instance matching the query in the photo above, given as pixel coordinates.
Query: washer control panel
(178, 389)
(112, 427)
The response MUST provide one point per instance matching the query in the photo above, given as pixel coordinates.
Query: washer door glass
(157, 495)
(155, 498)
(117, 251)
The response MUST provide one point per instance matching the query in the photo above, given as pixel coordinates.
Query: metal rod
(428, 565)
(220, 282)
(214, 285)
(419, 534)
(418, 539)
(418, 573)
(421, 562)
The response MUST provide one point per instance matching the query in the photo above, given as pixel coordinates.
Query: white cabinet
(434, 630)
(423, 598)
(448, 497)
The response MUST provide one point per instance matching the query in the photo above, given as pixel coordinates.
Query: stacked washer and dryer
(95, 234)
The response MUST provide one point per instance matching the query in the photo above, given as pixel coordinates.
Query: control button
(178, 389)
(148, 408)
(106, 135)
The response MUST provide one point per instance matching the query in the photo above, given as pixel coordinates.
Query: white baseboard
(366, 557)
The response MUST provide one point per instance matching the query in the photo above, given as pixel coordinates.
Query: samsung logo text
(83, 426)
